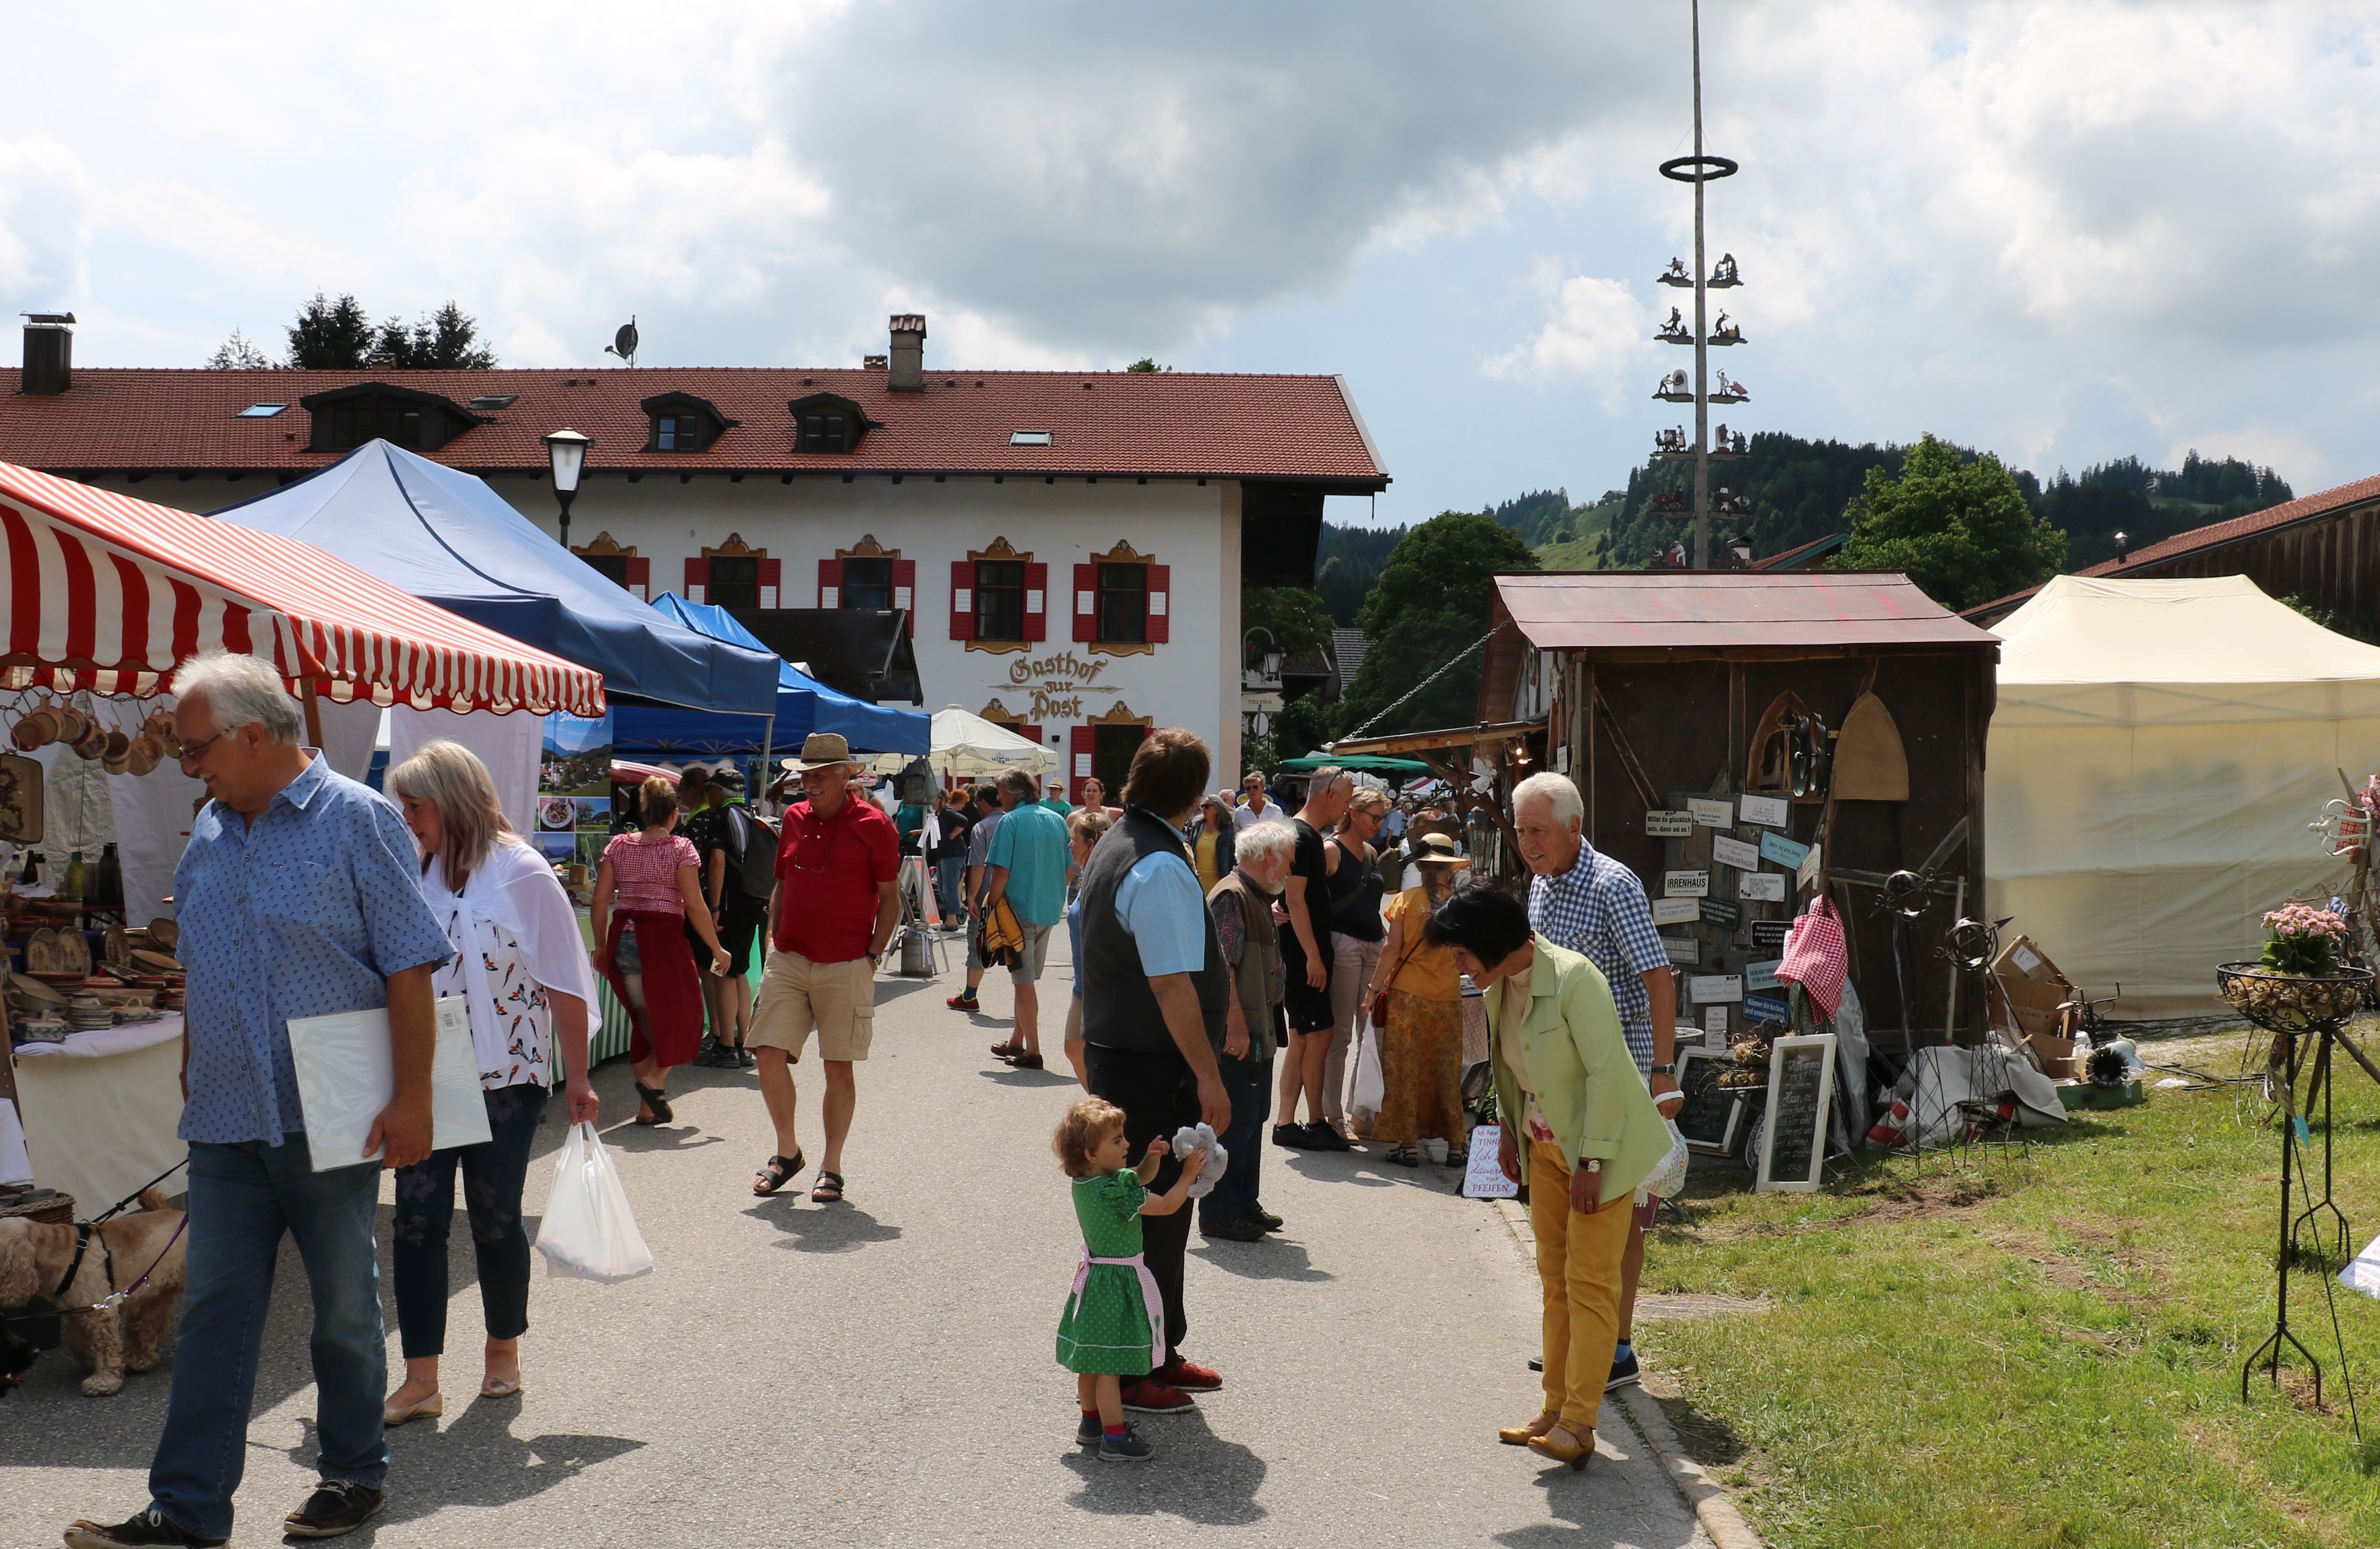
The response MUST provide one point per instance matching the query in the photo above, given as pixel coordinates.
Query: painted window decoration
(1103, 748)
(999, 598)
(1123, 602)
(734, 574)
(869, 577)
(1001, 714)
(620, 566)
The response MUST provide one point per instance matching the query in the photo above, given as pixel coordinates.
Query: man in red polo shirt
(837, 899)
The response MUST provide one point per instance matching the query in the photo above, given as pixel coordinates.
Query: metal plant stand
(2305, 1013)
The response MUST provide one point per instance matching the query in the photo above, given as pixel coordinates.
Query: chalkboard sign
(1793, 1132)
(1711, 1115)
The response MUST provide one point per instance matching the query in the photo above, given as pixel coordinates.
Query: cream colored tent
(971, 747)
(2157, 750)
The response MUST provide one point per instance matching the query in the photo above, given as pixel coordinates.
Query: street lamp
(566, 451)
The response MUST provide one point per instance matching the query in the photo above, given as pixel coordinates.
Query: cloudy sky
(2064, 231)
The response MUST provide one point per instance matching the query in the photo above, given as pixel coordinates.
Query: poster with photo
(577, 762)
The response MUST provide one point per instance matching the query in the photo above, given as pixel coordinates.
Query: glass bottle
(107, 888)
(72, 888)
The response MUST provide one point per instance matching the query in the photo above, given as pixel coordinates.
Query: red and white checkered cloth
(1815, 958)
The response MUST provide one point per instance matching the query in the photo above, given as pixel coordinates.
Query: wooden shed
(1662, 689)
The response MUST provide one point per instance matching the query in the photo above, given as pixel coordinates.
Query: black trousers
(1158, 1096)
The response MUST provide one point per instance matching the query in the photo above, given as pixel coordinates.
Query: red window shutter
(698, 580)
(772, 577)
(905, 591)
(830, 584)
(1028, 730)
(1036, 602)
(1082, 742)
(1086, 603)
(640, 578)
(963, 599)
(1160, 604)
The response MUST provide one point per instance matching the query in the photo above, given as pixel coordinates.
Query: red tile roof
(2215, 535)
(1170, 424)
(1650, 609)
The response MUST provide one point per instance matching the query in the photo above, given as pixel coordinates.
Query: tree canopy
(1430, 604)
(1963, 530)
(340, 336)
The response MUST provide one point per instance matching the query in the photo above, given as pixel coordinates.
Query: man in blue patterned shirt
(300, 895)
(1590, 903)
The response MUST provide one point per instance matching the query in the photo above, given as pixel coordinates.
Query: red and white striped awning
(107, 593)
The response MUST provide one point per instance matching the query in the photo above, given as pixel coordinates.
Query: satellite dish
(623, 343)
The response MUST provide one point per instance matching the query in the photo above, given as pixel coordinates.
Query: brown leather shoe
(1008, 1050)
(1522, 1436)
(1576, 1452)
(1026, 1062)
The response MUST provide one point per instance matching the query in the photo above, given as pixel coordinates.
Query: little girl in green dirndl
(1113, 1320)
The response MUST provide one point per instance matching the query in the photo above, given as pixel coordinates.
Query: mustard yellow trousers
(1578, 1259)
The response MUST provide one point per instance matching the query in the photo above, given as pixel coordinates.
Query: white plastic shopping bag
(589, 1233)
(1371, 1088)
(1667, 1179)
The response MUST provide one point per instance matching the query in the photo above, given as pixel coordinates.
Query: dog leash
(84, 1232)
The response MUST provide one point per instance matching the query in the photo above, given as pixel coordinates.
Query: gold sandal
(1574, 1452)
(1522, 1436)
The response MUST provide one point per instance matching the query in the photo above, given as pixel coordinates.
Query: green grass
(2037, 1349)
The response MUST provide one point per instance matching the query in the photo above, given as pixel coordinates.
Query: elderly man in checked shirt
(1590, 903)
(300, 895)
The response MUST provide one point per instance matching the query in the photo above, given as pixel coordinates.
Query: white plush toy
(1201, 1138)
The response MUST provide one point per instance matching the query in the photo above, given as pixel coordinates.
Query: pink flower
(2293, 921)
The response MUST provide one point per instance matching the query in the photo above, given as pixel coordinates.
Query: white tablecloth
(15, 1166)
(100, 1110)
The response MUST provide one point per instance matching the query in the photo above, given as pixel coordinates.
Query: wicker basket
(46, 1205)
(2292, 1002)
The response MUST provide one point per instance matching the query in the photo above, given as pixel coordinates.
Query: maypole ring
(1697, 169)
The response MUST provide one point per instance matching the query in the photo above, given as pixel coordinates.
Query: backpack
(751, 853)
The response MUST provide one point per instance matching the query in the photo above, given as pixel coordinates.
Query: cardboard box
(2028, 995)
(2055, 1055)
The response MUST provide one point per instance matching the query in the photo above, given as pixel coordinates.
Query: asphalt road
(880, 1372)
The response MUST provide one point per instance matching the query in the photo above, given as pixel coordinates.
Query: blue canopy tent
(803, 704)
(444, 535)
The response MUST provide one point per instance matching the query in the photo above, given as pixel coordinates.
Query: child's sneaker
(1089, 1433)
(1126, 1448)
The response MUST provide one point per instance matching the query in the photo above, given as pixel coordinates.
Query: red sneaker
(961, 1002)
(1152, 1396)
(1187, 1375)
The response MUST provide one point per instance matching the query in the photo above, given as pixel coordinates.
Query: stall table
(100, 1109)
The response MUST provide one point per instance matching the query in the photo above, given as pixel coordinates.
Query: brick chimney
(907, 373)
(49, 353)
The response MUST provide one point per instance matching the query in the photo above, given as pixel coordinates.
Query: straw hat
(1436, 850)
(820, 750)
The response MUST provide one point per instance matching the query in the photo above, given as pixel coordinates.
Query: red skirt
(669, 1030)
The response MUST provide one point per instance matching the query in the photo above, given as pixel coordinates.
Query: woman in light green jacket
(1567, 1086)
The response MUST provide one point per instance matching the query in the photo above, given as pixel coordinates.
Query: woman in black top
(948, 854)
(1354, 889)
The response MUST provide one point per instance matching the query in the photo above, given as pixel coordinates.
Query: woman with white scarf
(523, 968)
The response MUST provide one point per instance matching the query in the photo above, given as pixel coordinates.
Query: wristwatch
(1592, 1164)
(1670, 1069)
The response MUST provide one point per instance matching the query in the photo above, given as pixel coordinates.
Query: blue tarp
(444, 535)
(803, 704)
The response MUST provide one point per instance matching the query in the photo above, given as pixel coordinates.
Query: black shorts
(738, 923)
(1309, 1009)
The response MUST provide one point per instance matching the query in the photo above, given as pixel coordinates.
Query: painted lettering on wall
(1065, 666)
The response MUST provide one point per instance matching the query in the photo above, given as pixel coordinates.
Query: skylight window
(1028, 437)
(260, 411)
(488, 402)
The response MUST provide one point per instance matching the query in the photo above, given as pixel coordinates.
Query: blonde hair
(1087, 825)
(472, 819)
(1085, 1126)
(1368, 798)
(655, 799)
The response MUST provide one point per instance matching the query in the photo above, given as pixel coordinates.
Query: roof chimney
(908, 368)
(49, 353)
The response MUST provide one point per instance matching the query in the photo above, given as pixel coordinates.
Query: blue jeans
(1248, 1082)
(243, 1197)
(948, 874)
(492, 1174)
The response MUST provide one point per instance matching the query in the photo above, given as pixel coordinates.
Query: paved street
(880, 1372)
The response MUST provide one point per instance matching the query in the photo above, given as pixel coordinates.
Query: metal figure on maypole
(1698, 169)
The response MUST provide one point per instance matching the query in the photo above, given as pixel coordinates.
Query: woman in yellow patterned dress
(1421, 1044)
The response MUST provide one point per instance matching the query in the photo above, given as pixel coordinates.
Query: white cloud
(1595, 330)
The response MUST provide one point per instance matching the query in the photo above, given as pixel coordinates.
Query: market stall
(803, 705)
(107, 595)
(967, 747)
(2158, 749)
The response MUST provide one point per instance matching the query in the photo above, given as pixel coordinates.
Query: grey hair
(1554, 787)
(1265, 840)
(1020, 781)
(241, 690)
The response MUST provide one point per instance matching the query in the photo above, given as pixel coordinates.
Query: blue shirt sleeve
(1631, 921)
(1161, 911)
(402, 930)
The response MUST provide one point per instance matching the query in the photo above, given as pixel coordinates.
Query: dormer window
(682, 422)
(827, 422)
(347, 417)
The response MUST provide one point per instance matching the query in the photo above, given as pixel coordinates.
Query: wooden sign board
(1735, 853)
(1710, 1114)
(1669, 825)
(1710, 815)
(1719, 912)
(1761, 887)
(1807, 869)
(1771, 812)
(1676, 911)
(1688, 884)
(1793, 1130)
(1687, 950)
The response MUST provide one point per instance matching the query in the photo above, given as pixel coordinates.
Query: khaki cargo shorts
(836, 998)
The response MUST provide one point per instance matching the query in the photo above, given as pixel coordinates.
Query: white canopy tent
(2156, 753)
(971, 747)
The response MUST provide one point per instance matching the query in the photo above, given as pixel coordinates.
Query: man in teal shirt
(1026, 867)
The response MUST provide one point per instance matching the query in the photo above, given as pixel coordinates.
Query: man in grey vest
(1155, 993)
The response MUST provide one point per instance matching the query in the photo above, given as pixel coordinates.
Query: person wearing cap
(1421, 1038)
(831, 916)
(722, 833)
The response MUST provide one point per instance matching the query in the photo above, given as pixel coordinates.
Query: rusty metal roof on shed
(1638, 611)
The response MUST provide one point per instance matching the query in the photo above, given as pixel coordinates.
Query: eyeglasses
(192, 752)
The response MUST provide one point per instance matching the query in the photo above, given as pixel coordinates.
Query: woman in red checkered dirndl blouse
(648, 886)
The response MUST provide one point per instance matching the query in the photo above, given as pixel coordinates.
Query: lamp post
(566, 451)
